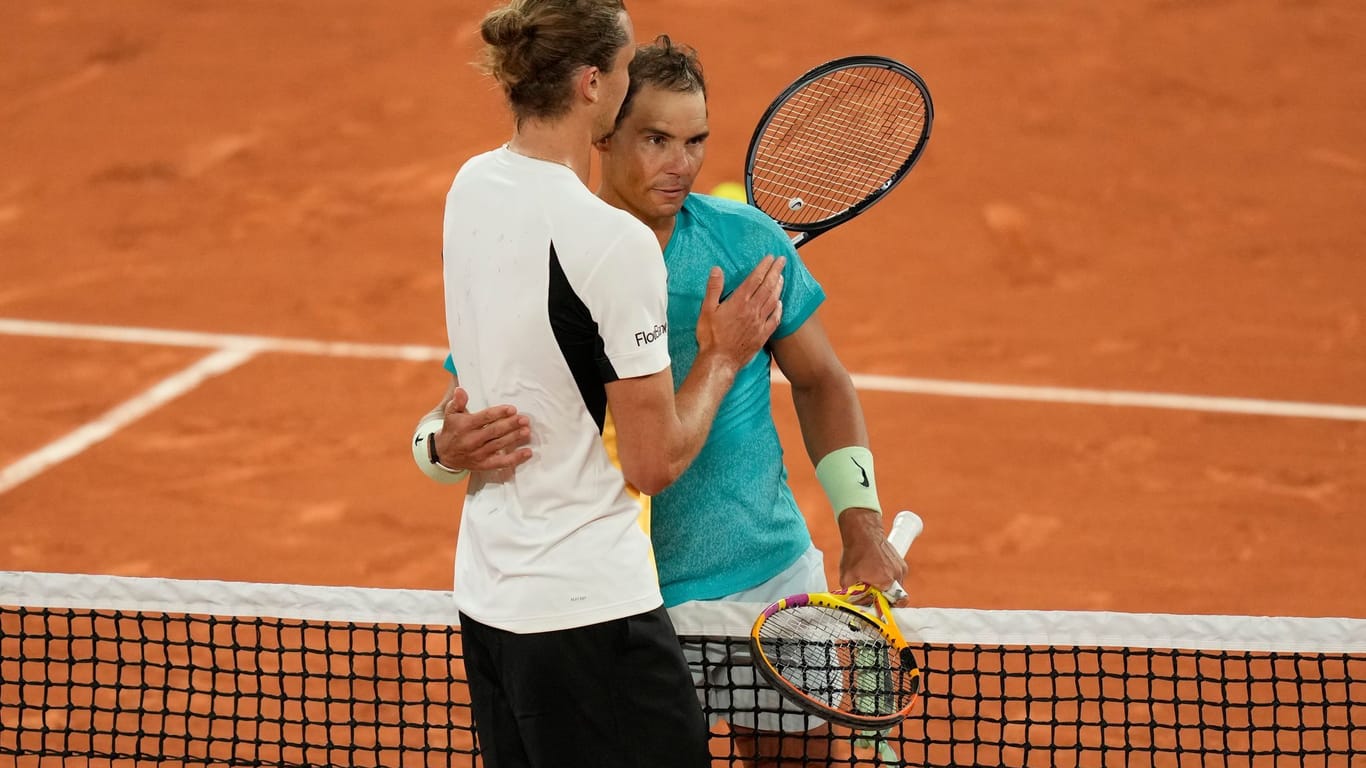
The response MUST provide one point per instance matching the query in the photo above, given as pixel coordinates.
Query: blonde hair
(534, 47)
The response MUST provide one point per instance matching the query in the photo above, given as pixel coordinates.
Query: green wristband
(846, 475)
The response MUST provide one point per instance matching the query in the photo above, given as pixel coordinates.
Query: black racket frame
(810, 230)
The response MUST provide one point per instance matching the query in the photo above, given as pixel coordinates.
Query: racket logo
(796, 204)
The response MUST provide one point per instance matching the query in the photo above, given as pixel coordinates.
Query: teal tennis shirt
(729, 522)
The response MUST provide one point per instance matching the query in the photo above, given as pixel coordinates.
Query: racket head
(836, 141)
(835, 661)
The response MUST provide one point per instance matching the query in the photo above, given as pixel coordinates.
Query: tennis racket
(836, 141)
(837, 660)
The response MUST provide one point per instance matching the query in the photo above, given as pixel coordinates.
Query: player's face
(612, 86)
(652, 159)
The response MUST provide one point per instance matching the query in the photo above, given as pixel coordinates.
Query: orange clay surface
(1141, 195)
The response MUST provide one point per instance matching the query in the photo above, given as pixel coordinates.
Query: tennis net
(133, 671)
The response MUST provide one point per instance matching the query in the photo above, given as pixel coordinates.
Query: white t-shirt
(550, 294)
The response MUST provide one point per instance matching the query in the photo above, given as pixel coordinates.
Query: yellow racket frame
(879, 618)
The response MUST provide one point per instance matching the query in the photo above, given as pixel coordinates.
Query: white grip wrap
(426, 432)
(905, 528)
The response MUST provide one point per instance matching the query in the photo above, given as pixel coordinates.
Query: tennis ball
(731, 190)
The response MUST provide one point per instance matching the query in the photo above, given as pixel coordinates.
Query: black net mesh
(121, 686)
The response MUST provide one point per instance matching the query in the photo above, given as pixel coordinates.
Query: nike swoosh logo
(864, 481)
(419, 439)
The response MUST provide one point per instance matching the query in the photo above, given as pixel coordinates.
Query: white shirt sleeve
(628, 297)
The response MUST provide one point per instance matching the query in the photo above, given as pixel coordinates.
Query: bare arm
(660, 433)
(822, 392)
(828, 410)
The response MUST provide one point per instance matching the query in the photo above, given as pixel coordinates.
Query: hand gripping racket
(839, 661)
(836, 141)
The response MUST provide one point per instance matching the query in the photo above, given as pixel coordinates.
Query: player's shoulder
(738, 227)
(732, 216)
(476, 165)
(590, 232)
(599, 220)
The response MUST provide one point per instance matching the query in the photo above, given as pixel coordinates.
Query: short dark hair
(534, 47)
(663, 65)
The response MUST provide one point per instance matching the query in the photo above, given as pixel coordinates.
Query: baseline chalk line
(865, 382)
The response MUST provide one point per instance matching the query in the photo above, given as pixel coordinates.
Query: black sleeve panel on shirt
(576, 333)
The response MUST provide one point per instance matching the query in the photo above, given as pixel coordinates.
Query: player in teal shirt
(737, 484)
(729, 527)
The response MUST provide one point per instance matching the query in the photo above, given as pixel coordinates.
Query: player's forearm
(697, 401)
(832, 422)
(424, 447)
(829, 413)
(438, 413)
(660, 432)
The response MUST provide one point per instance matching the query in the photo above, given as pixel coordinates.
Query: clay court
(1143, 197)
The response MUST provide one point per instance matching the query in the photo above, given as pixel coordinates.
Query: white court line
(123, 414)
(158, 336)
(1112, 397)
(865, 382)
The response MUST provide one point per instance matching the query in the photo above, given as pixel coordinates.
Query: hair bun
(534, 47)
(504, 27)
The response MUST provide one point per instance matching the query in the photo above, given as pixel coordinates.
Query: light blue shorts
(732, 684)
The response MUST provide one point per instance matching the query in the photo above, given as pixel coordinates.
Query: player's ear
(604, 144)
(587, 84)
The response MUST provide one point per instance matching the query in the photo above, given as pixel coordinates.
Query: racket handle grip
(905, 527)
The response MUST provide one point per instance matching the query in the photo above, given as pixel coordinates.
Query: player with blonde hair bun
(556, 306)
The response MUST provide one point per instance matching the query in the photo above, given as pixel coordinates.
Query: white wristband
(424, 454)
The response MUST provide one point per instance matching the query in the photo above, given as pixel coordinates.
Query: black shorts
(611, 695)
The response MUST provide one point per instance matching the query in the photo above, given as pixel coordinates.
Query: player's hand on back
(867, 557)
(737, 328)
(494, 438)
